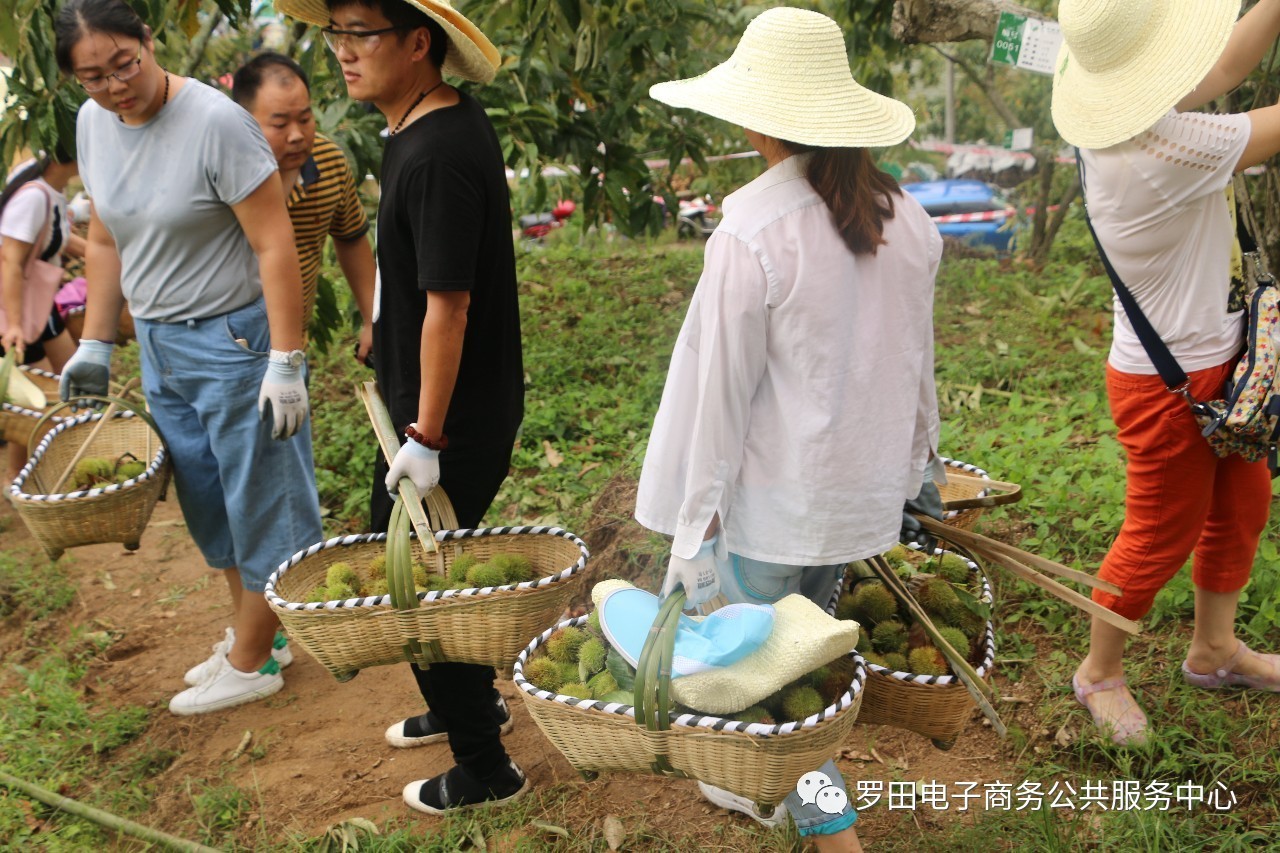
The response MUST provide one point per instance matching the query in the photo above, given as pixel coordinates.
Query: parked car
(971, 211)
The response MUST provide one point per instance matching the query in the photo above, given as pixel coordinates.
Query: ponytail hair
(858, 194)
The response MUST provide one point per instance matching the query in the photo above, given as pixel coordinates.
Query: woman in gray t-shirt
(189, 227)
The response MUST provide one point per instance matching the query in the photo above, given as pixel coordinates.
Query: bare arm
(441, 354)
(13, 262)
(265, 221)
(1264, 137)
(356, 260)
(103, 297)
(74, 246)
(1250, 40)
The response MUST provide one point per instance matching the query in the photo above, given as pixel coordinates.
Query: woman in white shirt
(1156, 183)
(799, 412)
(33, 209)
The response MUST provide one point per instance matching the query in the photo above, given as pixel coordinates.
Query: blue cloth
(724, 637)
(249, 501)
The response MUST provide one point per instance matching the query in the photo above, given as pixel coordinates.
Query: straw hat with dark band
(789, 78)
(1125, 63)
(471, 55)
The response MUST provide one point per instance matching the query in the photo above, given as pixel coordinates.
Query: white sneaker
(227, 687)
(731, 801)
(204, 669)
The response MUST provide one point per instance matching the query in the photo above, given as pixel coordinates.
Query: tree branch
(1006, 114)
(200, 43)
(933, 21)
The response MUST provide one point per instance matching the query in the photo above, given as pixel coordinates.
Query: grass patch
(1020, 366)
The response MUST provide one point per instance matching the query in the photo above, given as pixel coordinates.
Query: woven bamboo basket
(758, 761)
(17, 423)
(114, 513)
(965, 497)
(936, 706)
(480, 626)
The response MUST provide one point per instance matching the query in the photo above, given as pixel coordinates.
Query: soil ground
(317, 752)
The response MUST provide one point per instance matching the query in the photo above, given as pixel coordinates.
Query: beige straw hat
(1125, 63)
(471, 55)
(804, 637)
(789, 78)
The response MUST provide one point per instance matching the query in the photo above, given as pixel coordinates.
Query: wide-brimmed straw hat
(802, 638)
(1125, 63)
(789, 78)
(471, 55)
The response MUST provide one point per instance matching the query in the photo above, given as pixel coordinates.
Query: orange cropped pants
(1180, 499)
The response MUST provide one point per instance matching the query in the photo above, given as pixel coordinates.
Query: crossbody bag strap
(1171, 373)
(46, 230)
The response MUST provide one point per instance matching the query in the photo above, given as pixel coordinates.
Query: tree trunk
(1039, 220)
(1041, 253)
(933, 21)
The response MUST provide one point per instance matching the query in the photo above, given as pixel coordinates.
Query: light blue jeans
(755, 582)
(249, 500)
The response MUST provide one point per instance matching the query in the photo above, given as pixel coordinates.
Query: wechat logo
(815, 789)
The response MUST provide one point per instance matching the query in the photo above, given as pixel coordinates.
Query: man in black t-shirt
(446, 335)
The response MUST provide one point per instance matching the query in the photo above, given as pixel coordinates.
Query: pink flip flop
(1226, 676)
(1130, 729)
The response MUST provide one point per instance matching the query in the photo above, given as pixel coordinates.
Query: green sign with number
(1007, 44)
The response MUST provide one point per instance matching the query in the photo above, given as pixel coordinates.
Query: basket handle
(385, 430)
(1010, 492)
(93, 433)
(6, 371)
(653, 676)
(120, 402)
(400, 585)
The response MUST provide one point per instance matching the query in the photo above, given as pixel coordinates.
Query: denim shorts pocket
(248, 330)
(766, 581)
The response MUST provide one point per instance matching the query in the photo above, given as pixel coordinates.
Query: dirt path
(317, 753)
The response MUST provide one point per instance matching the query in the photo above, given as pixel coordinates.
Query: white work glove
(283, 387)
(420, 464)
(699, 575)
(87, 372)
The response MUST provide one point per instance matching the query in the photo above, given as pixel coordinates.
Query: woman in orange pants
(1156, 182)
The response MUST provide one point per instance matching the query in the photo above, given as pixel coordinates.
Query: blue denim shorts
(249, 500)
(821, 812)
(755, 582)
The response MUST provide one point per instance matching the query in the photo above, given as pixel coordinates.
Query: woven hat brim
(840, 114)
(471, 55)
(1098, 109)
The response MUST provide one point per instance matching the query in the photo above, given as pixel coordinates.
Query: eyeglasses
(359, 42)
(124, 74)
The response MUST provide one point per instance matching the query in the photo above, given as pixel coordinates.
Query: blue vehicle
(971, 211)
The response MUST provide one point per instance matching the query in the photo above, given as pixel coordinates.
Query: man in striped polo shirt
(319, 186)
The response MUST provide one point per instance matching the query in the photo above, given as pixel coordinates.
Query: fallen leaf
(1065, 737)
(552, 828)
(554, 457)
(107, 582)
(614, 834)
(590, 466)
(1082, 347)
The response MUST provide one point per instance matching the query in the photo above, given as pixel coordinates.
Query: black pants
(460, 695)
